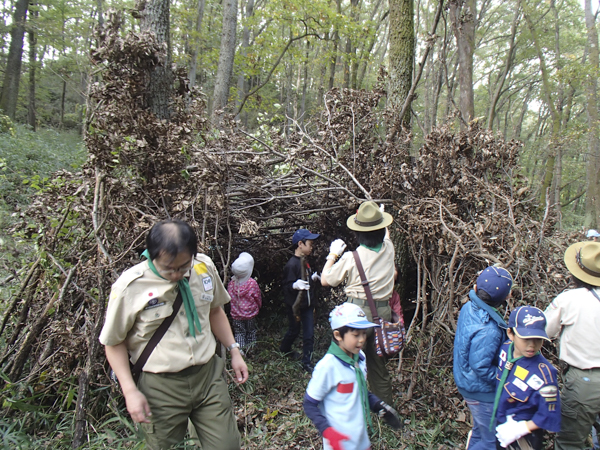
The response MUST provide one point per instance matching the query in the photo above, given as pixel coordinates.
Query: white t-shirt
(334, 386)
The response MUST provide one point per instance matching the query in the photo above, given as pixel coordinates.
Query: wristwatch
(232, 346)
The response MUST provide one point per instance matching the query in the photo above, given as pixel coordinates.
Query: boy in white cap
(337, 400)
(527, 400)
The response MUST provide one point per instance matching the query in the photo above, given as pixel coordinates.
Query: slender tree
(12, 75)
(592, 200)
(401, 55)
(226, 56)
(155, 20)
(463, 14)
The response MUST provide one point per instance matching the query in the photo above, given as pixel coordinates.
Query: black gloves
(387, 413)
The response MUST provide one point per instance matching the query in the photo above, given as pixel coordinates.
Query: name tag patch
(154, 305)
(208, 284)
(520, 384)
(206, 297)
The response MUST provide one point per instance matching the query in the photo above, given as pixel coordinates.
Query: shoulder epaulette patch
(548, 391)
(546, 372)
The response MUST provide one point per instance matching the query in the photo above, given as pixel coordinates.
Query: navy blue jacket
(479, 335)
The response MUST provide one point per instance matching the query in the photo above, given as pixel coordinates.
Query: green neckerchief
(335, 350)
(375, 249)
(186, 296)
(508, 366)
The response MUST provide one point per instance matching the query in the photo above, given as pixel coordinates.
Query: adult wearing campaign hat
(299, 288)
(574, 318)
(376, 253)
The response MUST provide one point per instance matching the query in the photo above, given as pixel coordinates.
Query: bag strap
(136, 370)
(593, 291)
(365, 284)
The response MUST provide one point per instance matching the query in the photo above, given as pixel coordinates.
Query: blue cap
(303, 234)
(496, 281)
(528, 322)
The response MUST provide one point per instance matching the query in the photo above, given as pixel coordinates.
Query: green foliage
(28, 159)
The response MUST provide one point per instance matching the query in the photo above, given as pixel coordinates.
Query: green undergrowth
(268, 408)
(27, 161)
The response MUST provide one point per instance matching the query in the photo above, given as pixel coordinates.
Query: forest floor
(269, 405)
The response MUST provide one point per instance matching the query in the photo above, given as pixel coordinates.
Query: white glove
(381, 207)
(315, 277)
(337, 247)
(510, 431)
(301, 285)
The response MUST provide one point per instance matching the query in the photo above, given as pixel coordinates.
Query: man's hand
(335, 438)
(337, 247)
(315, 277)
(138, 406)
(239, 366)
(301, 285)
(389, 414)
(510, 431)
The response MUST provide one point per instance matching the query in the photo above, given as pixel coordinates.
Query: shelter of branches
(459, 205)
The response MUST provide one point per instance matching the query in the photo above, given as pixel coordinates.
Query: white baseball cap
(592, 233)
(349, 315)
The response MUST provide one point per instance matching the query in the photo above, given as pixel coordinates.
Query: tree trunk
(402, 55)
(336, 40)
(592, 199)
(463, 14)
(507, 66)
(12, 75)
(155, 20)
(32, 40)
(196, 45)
(226, 56)
(304, 86)
(547, 90)
(243, 80)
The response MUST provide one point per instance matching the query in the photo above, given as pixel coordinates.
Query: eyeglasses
(183, 269)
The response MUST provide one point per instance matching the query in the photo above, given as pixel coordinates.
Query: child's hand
(335, 437)
(389, 414)
(510, 431)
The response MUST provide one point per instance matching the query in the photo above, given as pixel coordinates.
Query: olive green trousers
(197, 393)
(378, 377)
(580, 405)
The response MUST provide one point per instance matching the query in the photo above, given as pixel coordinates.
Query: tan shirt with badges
(574, 317)
(140, 301)
(379, 270)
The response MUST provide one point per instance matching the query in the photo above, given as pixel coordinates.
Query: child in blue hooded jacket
(479, 334)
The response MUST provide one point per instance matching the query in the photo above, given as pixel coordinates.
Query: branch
(260, 86)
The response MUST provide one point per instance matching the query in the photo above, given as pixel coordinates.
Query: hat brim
(361, 324)
(387, 220)
(530, 333)
(571, 263)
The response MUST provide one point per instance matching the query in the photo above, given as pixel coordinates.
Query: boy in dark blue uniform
(527, 400)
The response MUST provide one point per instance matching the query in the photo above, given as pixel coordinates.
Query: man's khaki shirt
(574, 317)
(379, 270)
(140, 301)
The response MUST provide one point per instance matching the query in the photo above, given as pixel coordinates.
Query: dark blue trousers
(307, 324)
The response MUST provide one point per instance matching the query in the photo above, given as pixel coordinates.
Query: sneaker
(293, 355)
(308, 367)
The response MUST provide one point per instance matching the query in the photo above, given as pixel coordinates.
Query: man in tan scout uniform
(574, 317)
(181, 379)
(376, 253)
